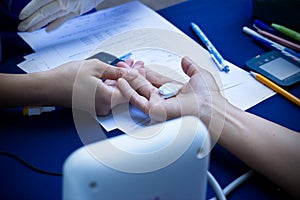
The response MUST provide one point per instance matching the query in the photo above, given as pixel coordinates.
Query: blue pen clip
(221, 67)
(292, 52)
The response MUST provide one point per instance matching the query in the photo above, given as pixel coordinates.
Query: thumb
(188, 66)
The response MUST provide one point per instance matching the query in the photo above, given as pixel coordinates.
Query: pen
(263, 26)
(216, 56)
(287, 31)
(279, 40)
(271, 44)
(284, 51)
(276, 88)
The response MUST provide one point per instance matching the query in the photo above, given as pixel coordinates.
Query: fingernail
(22, 16)
(21, 28)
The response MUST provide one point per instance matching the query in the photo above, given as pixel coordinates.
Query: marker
(216, 56)
(37, 110)
(276, 88)
(287, 31)
(271, 44)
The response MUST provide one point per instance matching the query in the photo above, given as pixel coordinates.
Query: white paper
(247, 91)
(77, 38)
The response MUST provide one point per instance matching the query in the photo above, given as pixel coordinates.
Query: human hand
(197, 97)
(39, 13)
(78, 84)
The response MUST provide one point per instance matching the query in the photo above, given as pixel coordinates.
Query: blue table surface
(45, 141)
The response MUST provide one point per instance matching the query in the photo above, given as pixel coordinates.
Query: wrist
(38, 89)
(213, 112)
(54, 88)
(223, 120)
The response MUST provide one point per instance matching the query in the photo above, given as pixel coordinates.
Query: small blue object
(126, 56)
(226, 69)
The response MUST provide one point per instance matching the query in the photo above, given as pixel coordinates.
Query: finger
(31, 8)
(29, 22)
(129, 62)
(157, 79)
(48, 20)
(103, 99)
(136, 80)
(139, 83)
(42, 16)
(58, 22)
(189, 66)
(110, 82)
(124, 65)
(191, 69)
(107, 71)
(136, 99)
(156, 111)
(138, 65)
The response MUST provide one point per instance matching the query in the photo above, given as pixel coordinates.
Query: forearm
(22, 89)
(267, 147)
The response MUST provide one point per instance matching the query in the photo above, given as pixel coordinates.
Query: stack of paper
(78, 38)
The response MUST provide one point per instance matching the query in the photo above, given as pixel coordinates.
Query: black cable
(10, 155)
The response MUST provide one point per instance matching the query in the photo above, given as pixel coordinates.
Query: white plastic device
(165, 161)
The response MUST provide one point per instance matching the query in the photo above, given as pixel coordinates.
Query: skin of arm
(55, 87)
(268, 148)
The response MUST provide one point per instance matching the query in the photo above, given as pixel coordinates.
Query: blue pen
(263, 26)
(216, 56)
(284, 51)
(292, 52)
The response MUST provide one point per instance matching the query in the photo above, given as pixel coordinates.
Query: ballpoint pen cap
(276, 26)
(287, 31)
(226, 69)
(250, 31)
